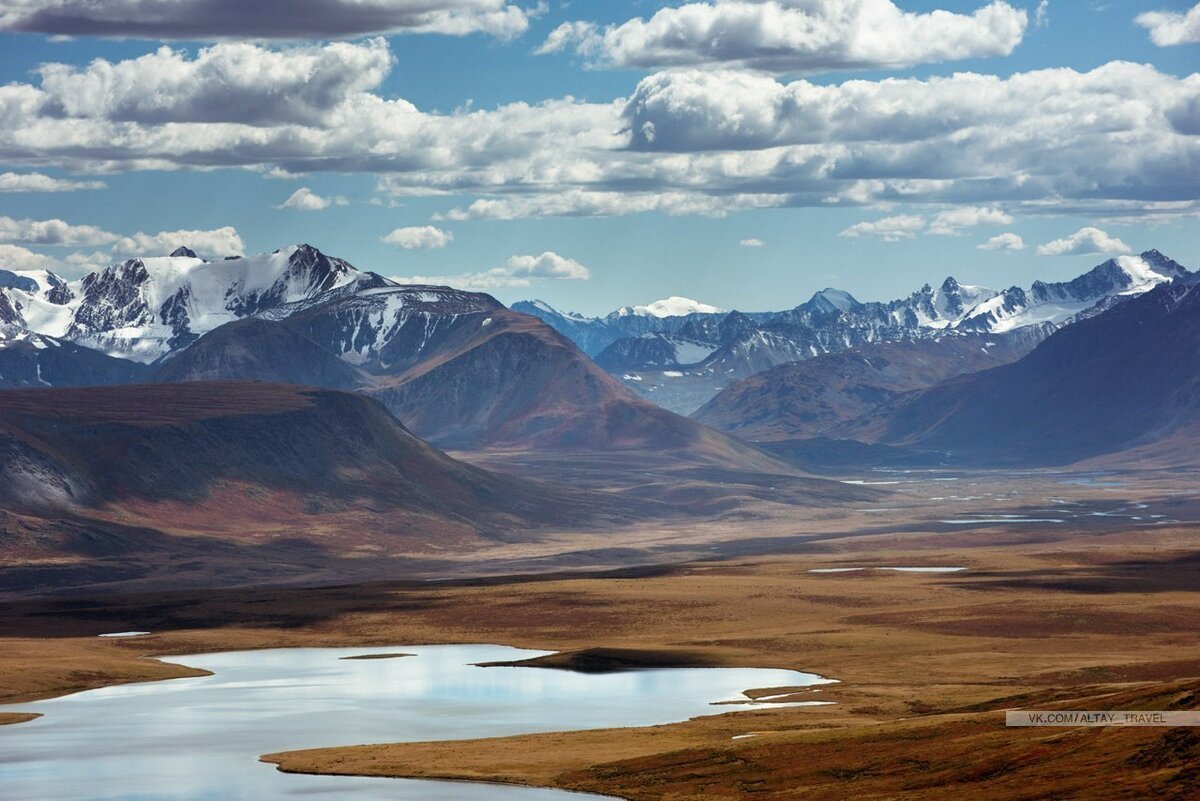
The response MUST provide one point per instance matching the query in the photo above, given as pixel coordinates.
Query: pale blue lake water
(199, 739)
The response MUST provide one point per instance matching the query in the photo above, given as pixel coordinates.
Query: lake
(199, 739)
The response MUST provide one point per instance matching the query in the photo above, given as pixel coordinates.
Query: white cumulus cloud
(15, 257)
(889, 229)
(59, 233)
(1170, 28)
(304, 199)
(952, 221)
(424, 237)
(1085, 241)
(37, 182)
(548, 265)
(88, 261)
(215, 243)
(696, 142)
(232, 82)
(1005, 241)
(795, 35)
(752, 243)
(520, 271)
(584, 203)
(56, 233)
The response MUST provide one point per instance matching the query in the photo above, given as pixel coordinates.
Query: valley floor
(1098, 611)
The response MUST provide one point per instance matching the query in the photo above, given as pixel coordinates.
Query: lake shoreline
(279, 758)
(938, 654)
(14, 718)
(258, 701)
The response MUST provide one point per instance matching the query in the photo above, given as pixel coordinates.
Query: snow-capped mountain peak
(673, 306)
(953, 300)
(1059, 302)
(546, 308)
(144, 308)
(1149, 269)
(830, 299)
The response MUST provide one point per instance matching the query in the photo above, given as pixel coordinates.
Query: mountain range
(812, 398)
(282, 415)
(217, 483)
(1123, 379)
(460, 369)
(683, 360)
(464, 372)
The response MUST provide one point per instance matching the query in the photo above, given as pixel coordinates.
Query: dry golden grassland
(1080, 616)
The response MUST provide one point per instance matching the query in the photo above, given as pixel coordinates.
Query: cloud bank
(425, 237)
(260, 19)
(520, 271)
(1005, 241)
(37, 182)
(950, 222)
(1084, 242)
(708, 142)
(215, 243)
(794, 36)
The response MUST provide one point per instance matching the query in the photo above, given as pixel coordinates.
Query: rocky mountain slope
(1122, 379)
(259, 350)
(465, 372)
(35, 360)
(542, 394)
(219, 483)
(1057, 303)
(810, 398)
(246, 453)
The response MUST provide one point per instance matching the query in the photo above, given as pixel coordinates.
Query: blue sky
(740, 149)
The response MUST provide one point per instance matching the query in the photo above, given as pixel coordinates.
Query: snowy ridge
(143, 309)
(673, 306)
(834, 300)
(387, 325)
(737, 344)
(1058, 303)
(546, 308)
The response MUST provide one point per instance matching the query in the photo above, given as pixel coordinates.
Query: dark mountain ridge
(65, 451)
(813, 397)
(1125, 378)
